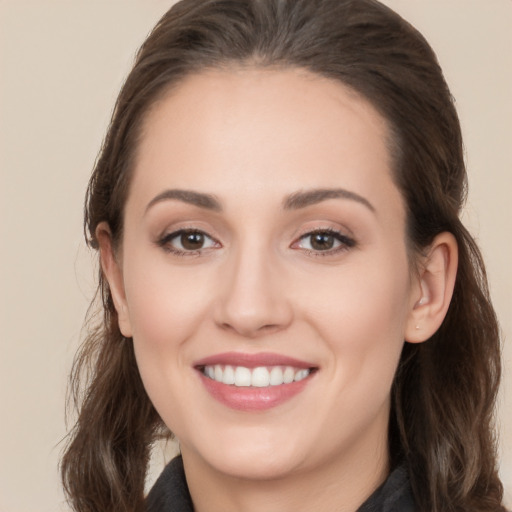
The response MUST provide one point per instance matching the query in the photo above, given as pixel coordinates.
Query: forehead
(244, 130)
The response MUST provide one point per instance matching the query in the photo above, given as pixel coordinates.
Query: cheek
(166, 307)
(369, 296)
(165, 304)
(361, 313)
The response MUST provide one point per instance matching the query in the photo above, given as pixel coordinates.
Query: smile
(259, 377)
(254, 382)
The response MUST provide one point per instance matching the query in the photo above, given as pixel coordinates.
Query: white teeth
(288, 375)
(259, 377)
(300, 375)
(228, 376)
(276, 376)
(242, 376)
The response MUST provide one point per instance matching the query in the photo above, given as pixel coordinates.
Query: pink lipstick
(253, 382)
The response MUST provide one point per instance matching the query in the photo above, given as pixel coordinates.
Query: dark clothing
(394, 495)
(170, 492)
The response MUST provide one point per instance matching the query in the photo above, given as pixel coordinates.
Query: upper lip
(252, 360)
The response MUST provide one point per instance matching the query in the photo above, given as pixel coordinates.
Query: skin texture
(252, 138)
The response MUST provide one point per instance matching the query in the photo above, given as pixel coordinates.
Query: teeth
(259, 377)
(242, 376)
(276, 376)
(289, 375)
(228, 377)
(300, 375)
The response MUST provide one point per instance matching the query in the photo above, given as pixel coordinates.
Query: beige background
(61, 64)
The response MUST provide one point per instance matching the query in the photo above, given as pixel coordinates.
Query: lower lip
(253, 398)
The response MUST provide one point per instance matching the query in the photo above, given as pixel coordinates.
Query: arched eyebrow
(305, 198)
(200, 199)
(295, 201)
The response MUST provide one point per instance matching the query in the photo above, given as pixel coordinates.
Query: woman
(286, 283)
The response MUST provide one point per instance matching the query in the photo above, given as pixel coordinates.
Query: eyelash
(345, 242)
(165, 242)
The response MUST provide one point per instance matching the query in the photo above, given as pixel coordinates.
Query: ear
(112, 271)
(434, 290)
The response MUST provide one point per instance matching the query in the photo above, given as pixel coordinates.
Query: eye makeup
(187, 242)
(324, 242)
(317, 242)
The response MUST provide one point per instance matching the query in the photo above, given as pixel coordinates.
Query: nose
(253, 298)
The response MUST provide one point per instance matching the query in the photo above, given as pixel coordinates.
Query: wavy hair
(444, 392)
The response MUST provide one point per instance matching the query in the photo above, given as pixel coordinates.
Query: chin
(262, 467)
(256, 458)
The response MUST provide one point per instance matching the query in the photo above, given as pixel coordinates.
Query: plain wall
(61, 65)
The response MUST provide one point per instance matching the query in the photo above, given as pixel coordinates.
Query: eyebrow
(207, 201)
(295, 201)
(302, 199)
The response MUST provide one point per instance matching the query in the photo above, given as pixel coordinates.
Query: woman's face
(264, 242)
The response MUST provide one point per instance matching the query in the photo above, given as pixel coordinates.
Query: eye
(326, 241)
(187, 241)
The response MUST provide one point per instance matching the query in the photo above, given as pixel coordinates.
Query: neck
(341, 484)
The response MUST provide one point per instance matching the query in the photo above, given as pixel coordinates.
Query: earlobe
(113, 274)
(436, 281)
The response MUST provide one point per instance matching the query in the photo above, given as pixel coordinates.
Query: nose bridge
(253, 300)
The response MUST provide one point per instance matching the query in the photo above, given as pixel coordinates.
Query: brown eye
(192, 241)
(322, 241)
(187, 241)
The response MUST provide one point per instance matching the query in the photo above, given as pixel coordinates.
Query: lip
(253, 360)
(254, 399)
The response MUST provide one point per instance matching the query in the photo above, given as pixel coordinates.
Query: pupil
(192, 241)
(322, 242)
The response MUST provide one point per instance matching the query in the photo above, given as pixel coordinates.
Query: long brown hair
(445, 389)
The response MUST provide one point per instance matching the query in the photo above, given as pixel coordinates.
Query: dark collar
(394, 495)
(170, 492)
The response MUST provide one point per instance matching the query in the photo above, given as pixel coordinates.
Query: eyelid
(165, 240)
(345, 242)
